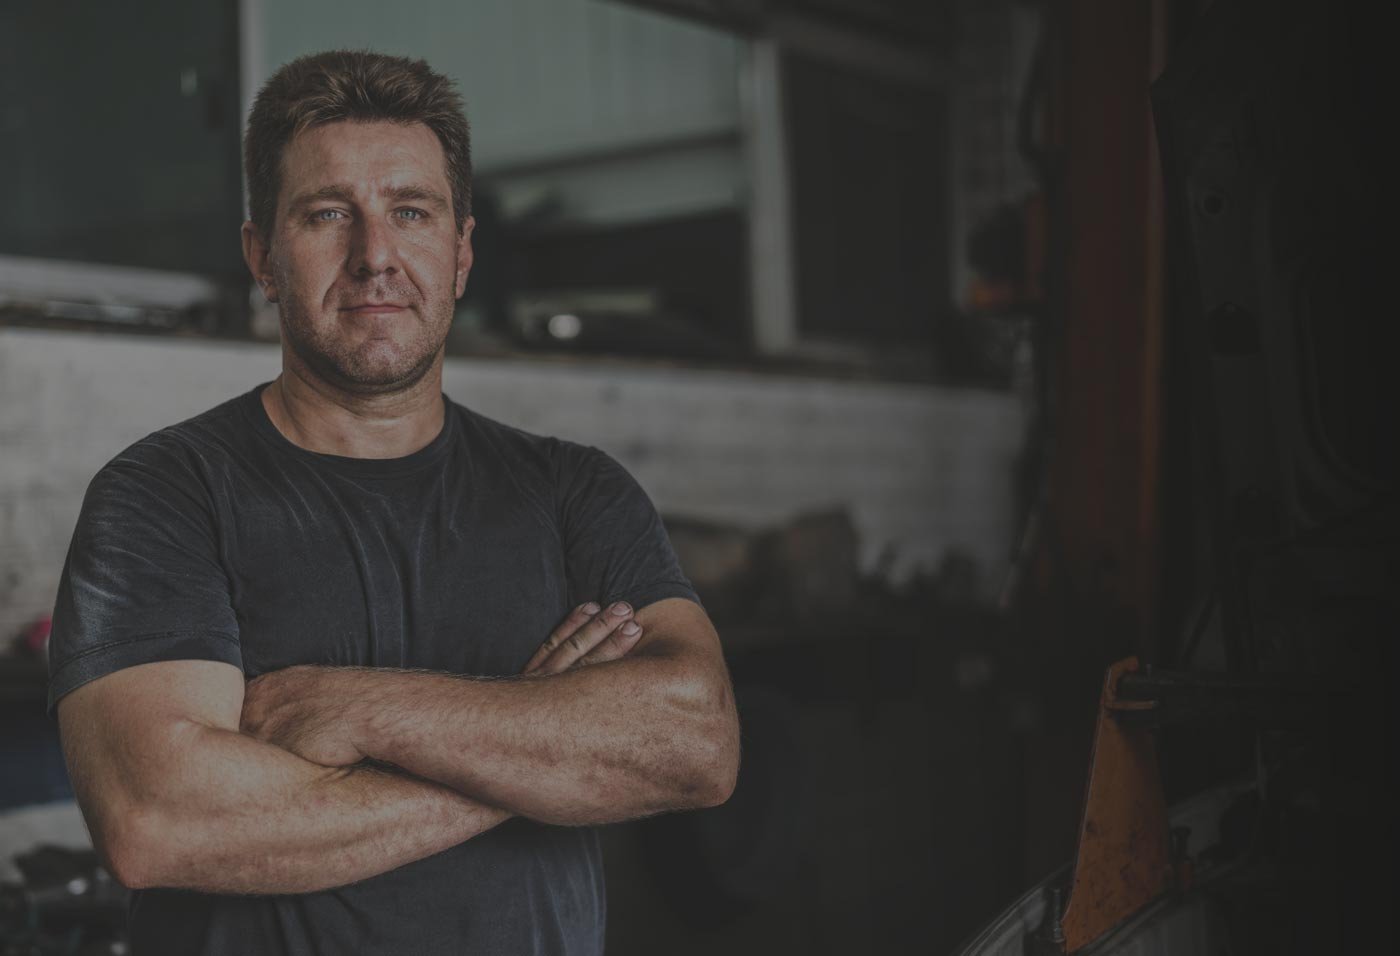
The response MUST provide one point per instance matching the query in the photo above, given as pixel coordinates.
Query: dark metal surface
(1273, 702)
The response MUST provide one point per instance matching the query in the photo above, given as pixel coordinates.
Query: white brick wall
(923, 469)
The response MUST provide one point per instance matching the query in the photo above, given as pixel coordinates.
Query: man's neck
(320, 418)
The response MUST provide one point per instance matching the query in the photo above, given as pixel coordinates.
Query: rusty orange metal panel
(1124, 859)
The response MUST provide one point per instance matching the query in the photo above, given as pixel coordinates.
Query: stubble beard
(359, 370)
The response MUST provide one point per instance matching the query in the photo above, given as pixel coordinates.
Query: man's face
(365, 261)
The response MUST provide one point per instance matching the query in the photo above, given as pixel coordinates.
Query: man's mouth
(373, 308)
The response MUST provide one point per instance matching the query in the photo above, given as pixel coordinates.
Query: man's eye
(413, 215)
(326, 215)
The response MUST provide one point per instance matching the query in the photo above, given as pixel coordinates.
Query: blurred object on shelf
(1007, 254)
(34, 639)
(617, 322)
(122, 295)
(802, 572)
(66, 903)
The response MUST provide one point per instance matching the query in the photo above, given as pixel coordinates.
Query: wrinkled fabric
(218, 539)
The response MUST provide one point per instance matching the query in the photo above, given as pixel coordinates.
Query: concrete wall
(923, 470)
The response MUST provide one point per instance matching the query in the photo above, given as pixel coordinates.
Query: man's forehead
(369, 157)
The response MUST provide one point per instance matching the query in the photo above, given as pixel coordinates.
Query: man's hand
(589, 635)
(301, 709)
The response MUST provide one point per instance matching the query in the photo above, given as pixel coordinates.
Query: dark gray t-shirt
(218, 539)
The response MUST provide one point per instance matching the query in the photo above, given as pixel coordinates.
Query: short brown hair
(359, 85)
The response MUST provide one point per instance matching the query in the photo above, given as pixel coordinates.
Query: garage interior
(1010, 375)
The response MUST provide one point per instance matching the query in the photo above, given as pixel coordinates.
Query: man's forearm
(611, 742)
(607, 738)
(239, 815)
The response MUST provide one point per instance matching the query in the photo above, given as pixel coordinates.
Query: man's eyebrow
(341, 192)
(418, 194)
(337, 192)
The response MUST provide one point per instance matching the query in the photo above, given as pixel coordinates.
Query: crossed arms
(188, 777)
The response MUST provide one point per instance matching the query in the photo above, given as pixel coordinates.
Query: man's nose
(372, 248)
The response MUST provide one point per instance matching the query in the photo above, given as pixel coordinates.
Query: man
(374, 559)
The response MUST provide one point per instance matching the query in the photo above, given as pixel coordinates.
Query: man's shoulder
(577, 476)
(178, 448)
(513, 445)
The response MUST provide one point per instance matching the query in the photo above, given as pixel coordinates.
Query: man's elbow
(712, 743)
(718, 773)
(128, 848)
(718, 787)
(134, 851)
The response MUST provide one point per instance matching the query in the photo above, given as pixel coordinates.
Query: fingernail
(591, 608)
(630, 628)
(621, 609)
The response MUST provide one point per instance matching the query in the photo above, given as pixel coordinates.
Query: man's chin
(378, 381)
(373, 375)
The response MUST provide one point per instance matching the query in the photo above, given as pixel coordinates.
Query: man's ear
(464, 254)
(255, 254)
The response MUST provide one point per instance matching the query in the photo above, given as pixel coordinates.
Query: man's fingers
(615, 645)
(586, 638)
(578, 617)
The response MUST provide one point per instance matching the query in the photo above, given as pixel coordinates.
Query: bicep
(125, 734)
(677, 627)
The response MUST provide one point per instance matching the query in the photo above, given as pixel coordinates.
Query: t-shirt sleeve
(142, 581)
(615, 546)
